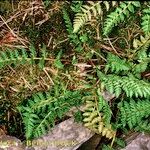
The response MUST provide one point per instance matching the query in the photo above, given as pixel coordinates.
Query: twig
(12, 31)
(112, 46)
(60, 42)
(44, 69)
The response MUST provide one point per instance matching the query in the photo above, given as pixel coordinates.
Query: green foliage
(132, 113)
(131, 86)
(57, 62)
(146, 21)
(122, 59)
(78, 116)
(118, 16)
(42, 109)
(143, 43)
(76, 6)
(93, 9)
(72, 36)
(16, 57)
(116, 64)
(143, 126)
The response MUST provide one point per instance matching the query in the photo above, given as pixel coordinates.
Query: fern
(42, 109)
(95, 117)
(143, 126)
(72, 36)
(116, 64)
(88, 11)
(132, 113)
(130, 85)
(143, 43)
(119, 15)
(14, 57)
(146, 21)
(67, 21)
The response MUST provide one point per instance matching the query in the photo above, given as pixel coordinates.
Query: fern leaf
(130, 85)
(146, 21)
(116, 64)
(143, 43)
(41, 111)
(97, 121)
(133, 112)
(143, 126)
(67, 21)
(114, 18)
(88, 11)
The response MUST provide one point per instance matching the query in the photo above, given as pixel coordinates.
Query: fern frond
(17, 57)
(41, 111)
(146, 21)
(143, 126)
(97, 121)
(105, 108)
(143, 43)
(67, 21)
(132, 113)
(114, 18)
(116, 64)
(93, 9)
(139, 68)
(130, 85)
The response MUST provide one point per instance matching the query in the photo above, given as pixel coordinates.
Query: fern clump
(114, 18)
(42, 109)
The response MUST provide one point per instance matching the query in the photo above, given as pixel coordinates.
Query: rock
(140, 142)
(10, 143)
(67, 135)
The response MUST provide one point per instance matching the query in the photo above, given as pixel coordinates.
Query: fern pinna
(42, 109)
(146, 20)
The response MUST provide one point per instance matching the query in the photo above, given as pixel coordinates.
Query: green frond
(115, 64)
(20, 56)
(105, 108)
(118, 16)
(139, 68)
(42, 109)
(93, 9)
(146, 20)
(132, 113)
(130, 85)
(143, 126)
(67, 21)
